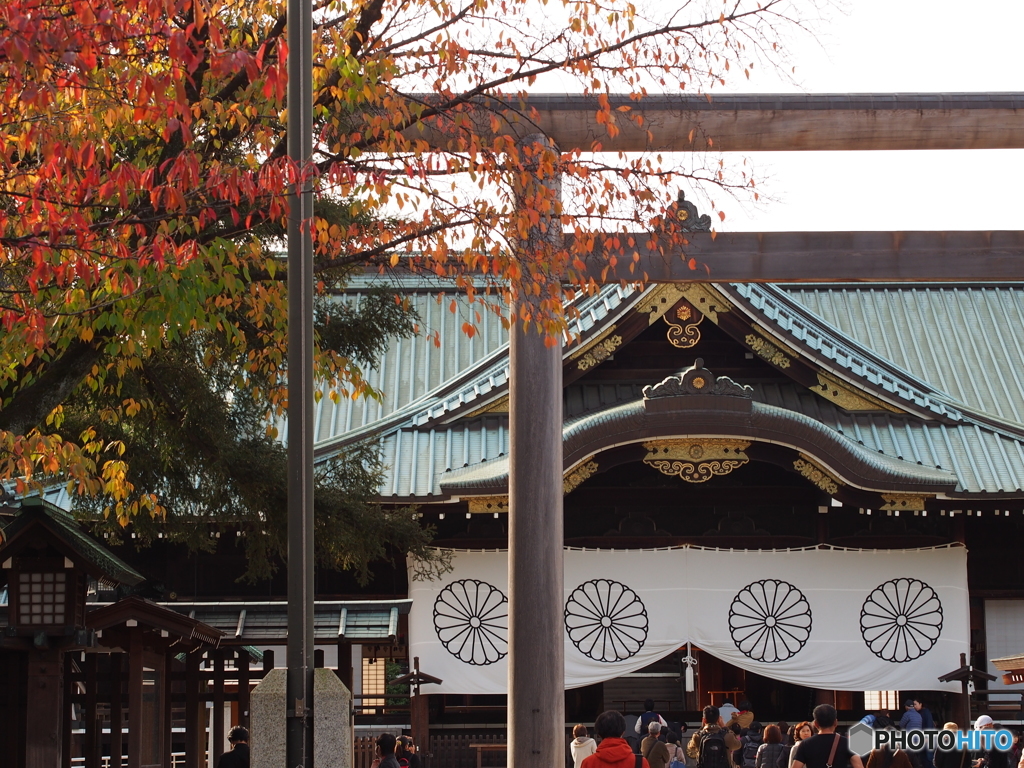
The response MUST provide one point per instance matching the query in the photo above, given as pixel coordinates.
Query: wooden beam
(816, 257)
(751, 122)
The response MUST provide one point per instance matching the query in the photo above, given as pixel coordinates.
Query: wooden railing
(445, 751)
(454, 750)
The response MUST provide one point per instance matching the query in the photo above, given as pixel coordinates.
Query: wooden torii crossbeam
(728, 123)
(821, 257)
(753, 122)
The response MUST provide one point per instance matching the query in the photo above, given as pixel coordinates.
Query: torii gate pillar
(536, 664)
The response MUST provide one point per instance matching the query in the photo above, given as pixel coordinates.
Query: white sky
(889, 46)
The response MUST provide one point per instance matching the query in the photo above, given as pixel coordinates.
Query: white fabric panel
(822, 618)
(1004, 636)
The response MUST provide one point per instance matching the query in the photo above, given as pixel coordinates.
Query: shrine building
(788, 495)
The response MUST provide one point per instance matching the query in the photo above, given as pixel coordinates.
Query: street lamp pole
(299, 695)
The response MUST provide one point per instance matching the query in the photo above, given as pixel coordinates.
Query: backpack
(750, 753)
(713, 753)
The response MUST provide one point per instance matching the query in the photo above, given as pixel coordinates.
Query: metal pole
(300, 390)
(536, 666)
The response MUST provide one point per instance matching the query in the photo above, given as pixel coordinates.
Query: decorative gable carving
(697, 380)
(682, 325)
(696, 460)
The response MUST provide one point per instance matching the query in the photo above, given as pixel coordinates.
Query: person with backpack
(751, 743)
(675, 752)
(613, 751)
(827, 749)
(713, 743)
(653, 748)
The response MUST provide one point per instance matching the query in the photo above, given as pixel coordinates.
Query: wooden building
(879, 417)
(870, 417)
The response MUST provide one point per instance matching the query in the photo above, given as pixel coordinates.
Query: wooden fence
(446, 751)
(453, 751)
(362, 751)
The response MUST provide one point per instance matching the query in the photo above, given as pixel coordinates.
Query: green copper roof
(64, 526)
(967, 342)
(951, 356)
(425, 376)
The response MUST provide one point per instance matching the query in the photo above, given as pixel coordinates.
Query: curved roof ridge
(633, 422)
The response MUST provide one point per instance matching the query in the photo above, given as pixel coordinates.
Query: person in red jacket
(613, 751)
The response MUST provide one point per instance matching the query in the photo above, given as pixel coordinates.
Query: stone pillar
(43, 708)
(267, 736)
(332, 721)
(536, 668)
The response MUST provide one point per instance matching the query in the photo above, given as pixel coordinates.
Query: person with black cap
(238, 755)
(911, 720)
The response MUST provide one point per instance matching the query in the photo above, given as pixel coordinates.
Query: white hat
(983, 722)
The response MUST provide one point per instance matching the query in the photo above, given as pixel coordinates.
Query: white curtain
(823, 618)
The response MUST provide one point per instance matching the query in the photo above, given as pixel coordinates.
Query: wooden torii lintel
(818, 257)
(748, 122)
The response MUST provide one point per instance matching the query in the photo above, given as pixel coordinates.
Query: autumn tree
(143, 173)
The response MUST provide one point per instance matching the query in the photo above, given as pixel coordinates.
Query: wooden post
(419, 712)
(345, 663)
(218, 704)
(43, 707)
(168, 719)
(243, 687)
(135, 706)
(192, 710)
(65, 744)
(965, 698)
(536, 674)
(93, 736)
(116, 710)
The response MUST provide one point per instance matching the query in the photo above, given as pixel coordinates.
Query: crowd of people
(731, 737)
(737, 742)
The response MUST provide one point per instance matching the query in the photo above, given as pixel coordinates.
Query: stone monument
(332, 721)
